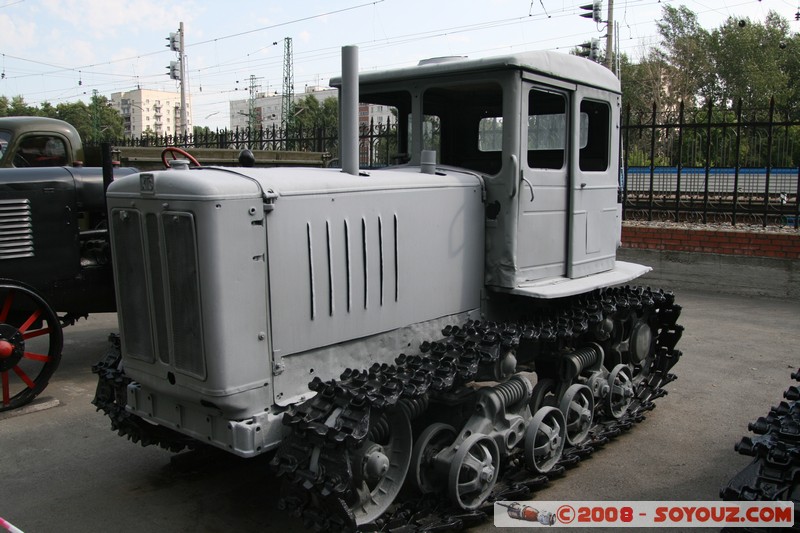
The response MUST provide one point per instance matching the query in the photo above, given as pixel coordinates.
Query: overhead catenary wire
(213, 74)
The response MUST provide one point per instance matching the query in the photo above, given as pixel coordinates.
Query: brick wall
(783, 245)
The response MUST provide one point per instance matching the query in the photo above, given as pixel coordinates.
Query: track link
(111, 397)
(774, 474)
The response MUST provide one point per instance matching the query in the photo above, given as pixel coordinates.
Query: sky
(63, 50)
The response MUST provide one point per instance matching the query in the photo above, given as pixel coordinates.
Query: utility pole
(184, 124)
(95, 116)
(177, 71)
(610, 37)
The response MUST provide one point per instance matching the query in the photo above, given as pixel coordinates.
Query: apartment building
(147, 111)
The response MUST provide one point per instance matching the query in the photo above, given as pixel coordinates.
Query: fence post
(769, 159)
(371, 137)
(622, 182)
(797, 201)
(708, 161)
(386, 135)
(679, 166)
(738, 159)
(652, 165)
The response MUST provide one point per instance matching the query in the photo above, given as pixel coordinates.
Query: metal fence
(702, 165)
(712, 165)
(378, 141)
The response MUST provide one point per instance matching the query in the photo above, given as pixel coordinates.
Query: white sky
(62, 50)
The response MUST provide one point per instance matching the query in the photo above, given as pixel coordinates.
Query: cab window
(464, 123)
(41, 151)
(595, 133)
(5, 138)
(547, 129)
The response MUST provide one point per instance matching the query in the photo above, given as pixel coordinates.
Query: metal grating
(16, 229)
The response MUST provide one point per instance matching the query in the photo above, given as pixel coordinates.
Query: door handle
(514, 172)
(530, 185)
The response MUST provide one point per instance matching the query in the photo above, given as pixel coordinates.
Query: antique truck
(453, 325)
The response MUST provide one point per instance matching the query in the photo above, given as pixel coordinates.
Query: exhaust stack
(349, 110)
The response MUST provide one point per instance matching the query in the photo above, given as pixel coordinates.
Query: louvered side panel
(16, 229)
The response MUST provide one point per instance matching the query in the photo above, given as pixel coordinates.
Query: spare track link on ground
(774, 474)
(313, 459)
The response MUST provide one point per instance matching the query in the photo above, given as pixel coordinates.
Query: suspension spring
(380, 431)
(513, 391)
(414, 407)
(576, 362)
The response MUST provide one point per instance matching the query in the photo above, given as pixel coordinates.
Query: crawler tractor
(455, 328)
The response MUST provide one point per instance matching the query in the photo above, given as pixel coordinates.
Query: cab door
(593, 193)
(543, 195)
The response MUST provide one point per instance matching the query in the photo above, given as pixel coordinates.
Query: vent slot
(16, 229)
(347, 264)
(330, 268)
(396, 264)
(311, 271)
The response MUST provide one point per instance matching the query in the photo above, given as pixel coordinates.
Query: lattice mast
(288, 83)
(253, 117)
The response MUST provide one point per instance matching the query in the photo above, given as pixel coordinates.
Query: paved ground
(62, 470)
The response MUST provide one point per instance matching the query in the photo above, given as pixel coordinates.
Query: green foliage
(309, 113)
(201, 131)
(16, 107)
(94, 121)
(742, 59)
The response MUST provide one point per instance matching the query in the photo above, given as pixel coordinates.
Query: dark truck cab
(54, 260)
(39, 142)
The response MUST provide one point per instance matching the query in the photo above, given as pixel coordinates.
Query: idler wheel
(430, 442)
(385, 465)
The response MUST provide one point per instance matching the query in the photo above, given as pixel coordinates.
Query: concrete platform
(63, 470)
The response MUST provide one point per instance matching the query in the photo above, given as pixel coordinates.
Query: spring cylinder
(576, 362)
(517, 389)
(413, 407)
(380, 431)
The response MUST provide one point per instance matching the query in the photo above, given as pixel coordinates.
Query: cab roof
(551, 64)
(23, 125)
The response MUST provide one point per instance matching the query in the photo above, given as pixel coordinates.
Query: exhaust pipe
(349, 111)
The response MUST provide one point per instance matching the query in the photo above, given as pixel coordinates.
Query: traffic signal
(595, 8)
(174, 70)
(174, 41)
(590, 50)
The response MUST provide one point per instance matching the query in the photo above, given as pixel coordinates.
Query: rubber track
(319, 494)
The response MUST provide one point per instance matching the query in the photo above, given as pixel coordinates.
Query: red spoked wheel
(30, 344)
(175, 151)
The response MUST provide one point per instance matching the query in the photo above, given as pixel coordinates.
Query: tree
(309, 114)
(313, 118)
(755, 61)
(685, 46)
(16, 107)
(94, 122)
(643, 83)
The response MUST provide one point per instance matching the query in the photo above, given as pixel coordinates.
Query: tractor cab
(542, 130)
